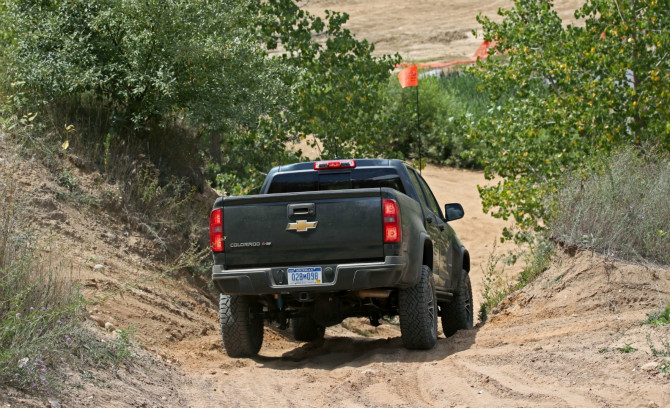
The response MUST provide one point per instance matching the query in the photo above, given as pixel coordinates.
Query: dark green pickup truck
(328, 240)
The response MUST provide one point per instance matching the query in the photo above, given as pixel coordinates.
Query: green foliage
(627, 348)
(67, 180)
(447, 106)
(148, 61)
(124, 344)
(660, 318)
(494, 287)
(246, 158)
(339, 83)
(537, 260)
(130, 75)
(619, 207)
(562, 94)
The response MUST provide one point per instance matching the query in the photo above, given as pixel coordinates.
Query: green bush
(447, 107)
(660, 318)
(170, 80)
(562, 93)
(247, 157)
(148, 62)
(537, 258)
(620, 208)
(136, 69)
(338, 80)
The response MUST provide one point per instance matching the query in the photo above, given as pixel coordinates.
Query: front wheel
(241, 325)
(418, 313)
(458, 314)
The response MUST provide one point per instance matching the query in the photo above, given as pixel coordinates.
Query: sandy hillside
(423, 30)
(562, 341)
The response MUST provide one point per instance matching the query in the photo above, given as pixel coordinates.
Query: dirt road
(557, 343)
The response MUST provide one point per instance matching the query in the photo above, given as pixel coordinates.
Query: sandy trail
(552, 344)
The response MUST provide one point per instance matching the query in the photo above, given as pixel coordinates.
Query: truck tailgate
(303, 228)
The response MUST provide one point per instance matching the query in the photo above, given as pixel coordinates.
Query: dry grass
(41, 309)
(620, 209)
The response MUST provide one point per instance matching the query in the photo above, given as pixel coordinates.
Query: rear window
(315, 181)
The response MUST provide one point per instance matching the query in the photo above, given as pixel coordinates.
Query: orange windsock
(408, 77)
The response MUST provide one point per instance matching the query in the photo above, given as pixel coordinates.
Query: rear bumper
(356, 276)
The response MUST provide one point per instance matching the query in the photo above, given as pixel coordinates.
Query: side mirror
(453, 211)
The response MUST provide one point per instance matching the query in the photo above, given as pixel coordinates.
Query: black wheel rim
(468, 300)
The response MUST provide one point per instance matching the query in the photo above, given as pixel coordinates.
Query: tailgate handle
(305, 210)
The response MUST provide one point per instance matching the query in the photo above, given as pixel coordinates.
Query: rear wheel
(306, 329)
(458, 314)
(241, 325)
(418, 313)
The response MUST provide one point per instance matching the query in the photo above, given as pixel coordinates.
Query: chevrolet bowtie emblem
(301, 225)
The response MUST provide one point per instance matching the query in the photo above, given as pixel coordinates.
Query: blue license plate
(305, 276)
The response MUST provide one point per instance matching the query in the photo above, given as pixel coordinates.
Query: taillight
(391, 213)
(216, 230)
(335, 164)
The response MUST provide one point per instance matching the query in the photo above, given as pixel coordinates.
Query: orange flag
(408, 77)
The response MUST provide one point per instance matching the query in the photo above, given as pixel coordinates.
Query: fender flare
(465, 259)
(418, 258)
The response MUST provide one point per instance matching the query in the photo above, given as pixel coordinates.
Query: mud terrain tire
(458, 314)
(241, 328)
(418, 313)
(306, 329)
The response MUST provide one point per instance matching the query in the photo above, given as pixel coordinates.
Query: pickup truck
(328, 240)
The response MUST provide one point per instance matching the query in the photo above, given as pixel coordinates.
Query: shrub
(660, 318)
(447, 106)
(39, 304)
(146, 61)
(337, 78)
(620, 208)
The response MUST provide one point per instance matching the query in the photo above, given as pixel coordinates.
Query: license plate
(305, 276)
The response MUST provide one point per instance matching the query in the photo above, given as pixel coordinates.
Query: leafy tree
(564, 93)
(149, 62)
(339, 83)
